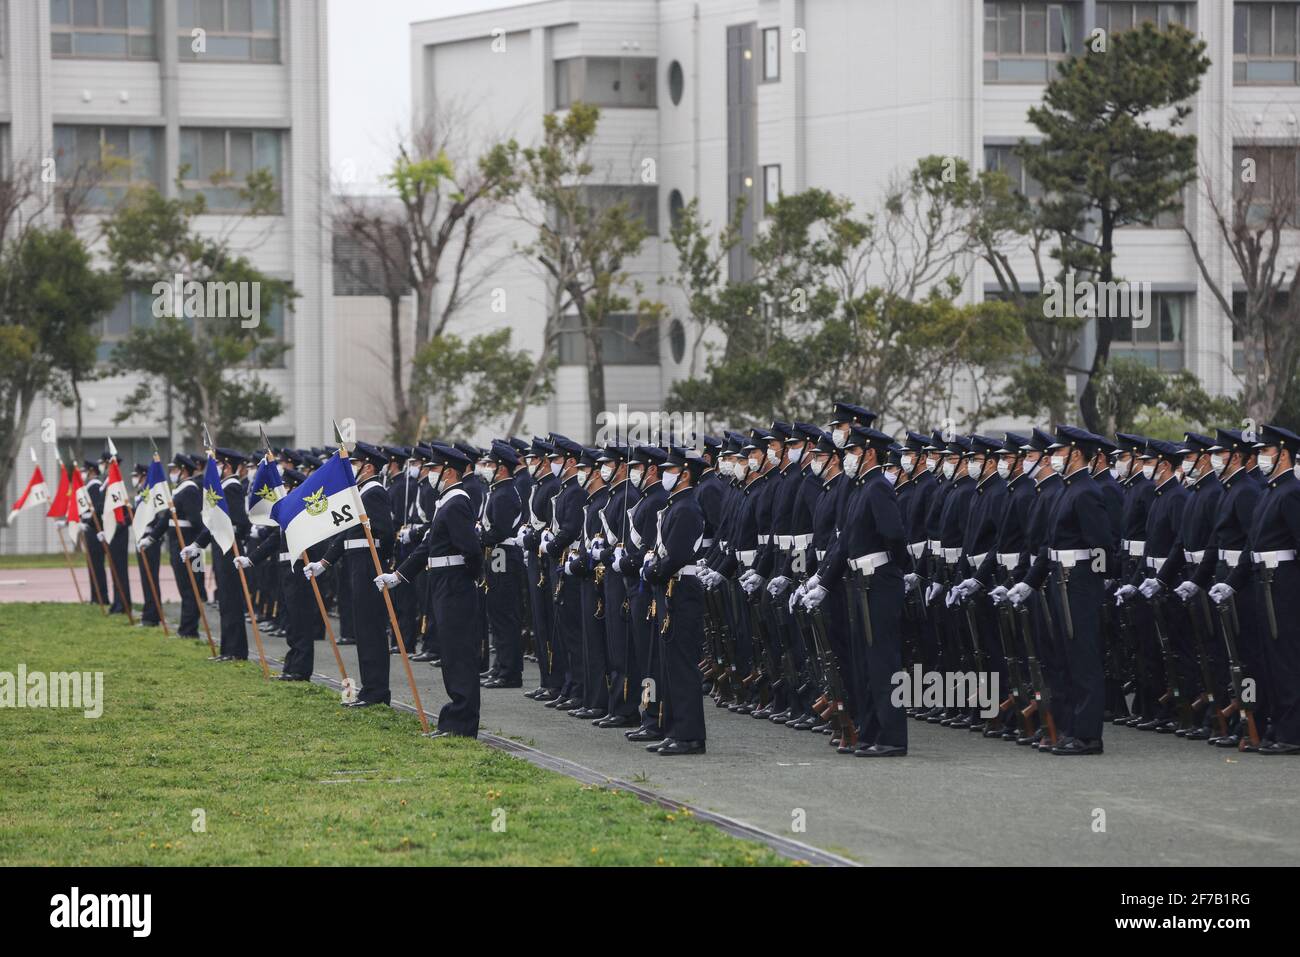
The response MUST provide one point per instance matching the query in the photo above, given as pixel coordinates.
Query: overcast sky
(370, 77)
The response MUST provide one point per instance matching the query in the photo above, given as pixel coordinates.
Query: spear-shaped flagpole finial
(266, 443)
(112, 449)
(35, 460)
(343, 445)
(154, 445)
(207, 439)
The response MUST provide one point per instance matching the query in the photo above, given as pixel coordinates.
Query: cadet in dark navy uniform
(620, 653)
(188, 501)
(679, 598)
(149, 614)
(537, 516)
(505, 565)
(1274, 572)
(230, 592)
(564, 531)
(583, 569)
(369, 615)
(90, 533)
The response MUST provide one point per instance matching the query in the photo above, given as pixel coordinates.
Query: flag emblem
(316, 503)
(267, 494)
(210, 496)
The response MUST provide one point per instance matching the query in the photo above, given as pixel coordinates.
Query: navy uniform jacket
(451, 532)
(524, 483)
(1139, 493)
(743, 536)
(1275, 528)
(873, 524)
(1113, 495)
(807, 489)
(985, 521)
(476, 489)
(642, 524)
(539, 507)
(1078, 522)
(189, 508)
(425, 500)
(592, 528)
(566, 517)
(732, 495)
(681, 530)
(613, 517)
(1164, 526)
(1234, 517)
(933, 522)
(502, 514)
(95, 492)
(709, 493)
(824, 517)
(1197, 530)
(1013, 527)
(769, 490)
(954, 516)
(374, 500)
(402, 496)
(1046, 492)
(923, 485)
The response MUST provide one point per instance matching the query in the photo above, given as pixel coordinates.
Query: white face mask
(487, 473)
(669, 480)
(839, 437)
(1004, 468)
(584, 475)
(1148, 472)
(817, 466)
(949, 469)
(1058, 464)
(907, 461)
(435, 479)
(636, 476)
(931, 463)
(973, 468)
(413, 471)
(279, 467)
(891, 475)
(774, 457)
(1218, 462)
(794, 455)
(606, 473)
(741, 469)
(727, 468)
(1122, 468)
(557, 468)
(173, 477)
(755, 464)
(1265, 464)
(851, 463)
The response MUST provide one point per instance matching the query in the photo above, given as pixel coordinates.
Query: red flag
(36, 494)
(59, 507)
(78, 498)
(115, 500)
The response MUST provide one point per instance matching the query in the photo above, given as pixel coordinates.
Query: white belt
(688, 571)
(183, 523)
(722, 544)
(1008, 560)
(706, 543)
(867, 564)
(1156, 563)
(1136, 549)
(917, 548)
(765, 539)
(978, 560)
(1231, 558)
(1069, 557)
(746, 556)
(445, 561)
(801, 541)
(785, 542)
(951, 555)
(1194, 558)
(1273, 559)
(821, 554)
(285, 556)
(936, 546)
(355, 543)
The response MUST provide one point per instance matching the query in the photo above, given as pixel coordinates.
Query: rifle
(1238, 704)
(1042, 692)
(1016, 698)
(1202, 627)
(831, 706)
(1172, 690)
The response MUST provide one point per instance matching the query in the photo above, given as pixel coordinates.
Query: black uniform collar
(1285, 477)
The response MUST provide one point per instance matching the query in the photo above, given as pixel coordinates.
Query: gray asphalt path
(956, 799)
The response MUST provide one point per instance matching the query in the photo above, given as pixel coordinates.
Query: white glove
(144, 543)
(546, 538)
(1150, 588)
(243, 561)
(568, 569)
(814, 597)
(912, 580)
(1000, 595)
(1221, 592)
(714, 579)
(101, 537)
(190, 552)
(1187, 590)
(970, 587)
(1018, 593)
(932, 591)
(404, 536)
(387, 580)
(953, 597)
(597, 546)
(255, 531)
(750, 584)
(314, 569)
(796, 597)
(619, 554)
(777, 585)
(814, 581)
(1124, 593)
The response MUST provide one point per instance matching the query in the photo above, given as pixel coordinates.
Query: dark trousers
(679, 654)
(152, 555)
(568, 631)
(189, 601)
(503, 610)
(347, 613)
(117, 554)
(369, 618)
(230, 603)
(644, 662)
(1282, 654)
(594, 669)
(454, 603)
(619, 655)
(305, 625)
(539, 597)
(95, 552)
(878, 720)
(1084, 680)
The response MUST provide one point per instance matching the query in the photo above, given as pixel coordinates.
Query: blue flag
(264, 491)
(216, 516)
(321, 507)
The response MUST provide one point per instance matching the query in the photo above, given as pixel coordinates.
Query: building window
(1114, 16)
(1003, 159)
(6, 161)
(642, 202)
(113, 29)
(675, 206)
(677, 340)
(771, 55)
(229, 30)
(1156, 341)
(1264, 43)
(133, 311)
(605, 81)
(771, 186)
(216, 163)
(626, 340)
(1023, 42)
(676, 82)
(1265, 184)
(95, 165)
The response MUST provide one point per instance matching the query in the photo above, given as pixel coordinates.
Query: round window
(676, 80)
(677, 340)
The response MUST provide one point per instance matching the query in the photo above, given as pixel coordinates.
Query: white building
(759, 96)
(230, 85)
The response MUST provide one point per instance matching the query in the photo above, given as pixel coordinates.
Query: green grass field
(42, 561)
(280, 774)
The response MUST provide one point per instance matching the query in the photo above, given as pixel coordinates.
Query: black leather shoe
(1227, 741)
(881, 751)
(436, 734)
(423, 656)
(644, 734)
(655, 747)
(1148, 725)
(556, 702)
(587, 714)
(1279, 747)
(672, 747)
(362, 703)
(781, 717)
(1167, 727)
(615, 721)
(1198, 734)
(1071, 746)
(285, 676)
(504, 683)
(346, 641)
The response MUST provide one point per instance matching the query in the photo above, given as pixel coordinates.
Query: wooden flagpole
(148, 572)
(189, 570)
(63, 541)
